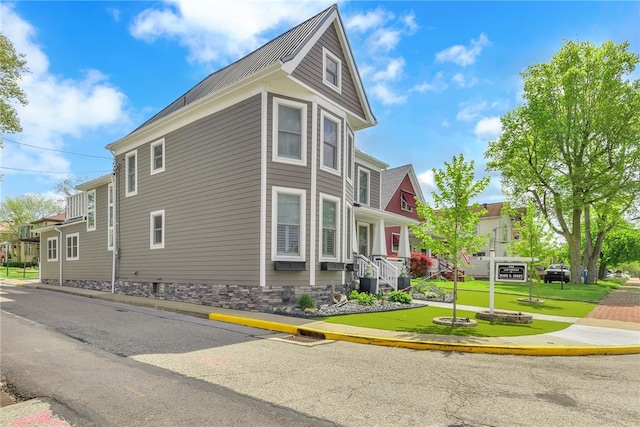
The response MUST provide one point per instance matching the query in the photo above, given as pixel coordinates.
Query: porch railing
(388, 272)
(363, 264)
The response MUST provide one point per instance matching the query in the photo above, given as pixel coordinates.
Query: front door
(363, 238)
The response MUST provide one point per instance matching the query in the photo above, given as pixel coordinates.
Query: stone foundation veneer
(237, 297)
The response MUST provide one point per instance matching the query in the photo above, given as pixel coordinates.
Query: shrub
(400, 296)
(354, 294)
(365, 298)
(420, 264)
(306, 301)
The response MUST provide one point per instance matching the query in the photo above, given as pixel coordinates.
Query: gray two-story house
(245, 192)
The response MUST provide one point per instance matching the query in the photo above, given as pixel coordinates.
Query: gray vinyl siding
(210, 194)
(95, 261)
(310, 71)
(289, 176)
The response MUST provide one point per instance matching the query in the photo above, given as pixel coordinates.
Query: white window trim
(395, 234)
(368, 172)
(153, 215)
(152, 168)
(110, 221)
(337, 121)
(66, 247)
(350, 167)
(89, 210)
(403, 202)
(348, 240)
(335, 200)
(327, 54)
(128, 193)
(274, 223)
(57, 248)
(303, 132)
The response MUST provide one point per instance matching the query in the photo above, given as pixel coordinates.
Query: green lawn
(19, 273)
(510, 302)
(573, 292)
(419, 320)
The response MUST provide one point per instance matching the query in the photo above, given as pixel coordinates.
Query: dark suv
(557, 273)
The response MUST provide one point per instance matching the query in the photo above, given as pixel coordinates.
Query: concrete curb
(526, 350)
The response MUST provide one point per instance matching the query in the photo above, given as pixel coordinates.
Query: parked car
(557, 273)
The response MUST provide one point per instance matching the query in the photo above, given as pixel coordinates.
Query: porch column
(379, 241)
(403, 246)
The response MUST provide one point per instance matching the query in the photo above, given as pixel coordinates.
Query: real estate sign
(511, 272)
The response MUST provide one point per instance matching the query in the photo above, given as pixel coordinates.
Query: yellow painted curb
(530, 350)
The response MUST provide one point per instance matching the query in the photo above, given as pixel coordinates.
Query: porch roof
(390, 219)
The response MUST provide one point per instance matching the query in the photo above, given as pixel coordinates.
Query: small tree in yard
(449, 226)
(420, 264)
(536, 239)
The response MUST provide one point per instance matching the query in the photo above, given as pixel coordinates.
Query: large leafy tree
(12, 66)
(15, 211)
(573, 147)
(621, 246)
(448, 226)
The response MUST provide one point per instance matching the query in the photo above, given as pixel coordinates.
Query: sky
(438, 75)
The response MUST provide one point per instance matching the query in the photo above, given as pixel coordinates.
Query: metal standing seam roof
(282, 48)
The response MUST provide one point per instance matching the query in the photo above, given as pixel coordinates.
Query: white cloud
(384, 39)
(386, 96)
(392, 72)
(213, 31)
(461, 81)
(58, 108)
(471, 111)
(464, 55)
(426, 181)
(436, 85)
(488, 128)
(366, 21)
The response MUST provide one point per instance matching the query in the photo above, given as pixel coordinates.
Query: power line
(59, 151)
(52, 172)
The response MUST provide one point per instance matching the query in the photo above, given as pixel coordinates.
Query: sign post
(509, 269)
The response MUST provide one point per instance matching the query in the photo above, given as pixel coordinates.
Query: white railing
(363, 264)
(388, 272)
(75, 206)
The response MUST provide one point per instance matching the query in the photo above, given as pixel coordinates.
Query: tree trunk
(455, 291)
(573, 240)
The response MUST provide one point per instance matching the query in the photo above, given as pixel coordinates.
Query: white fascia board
(369, 161)
(95, 183)
(390, 218)
(416, 185)
(201, 108)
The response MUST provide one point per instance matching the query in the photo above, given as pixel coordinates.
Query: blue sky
(438, 74)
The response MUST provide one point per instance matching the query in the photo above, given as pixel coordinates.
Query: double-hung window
(110, 217)
(157, 156)
(289, 132)
(363, 186)
(156, 229)
(395, 242)
(349, 155)
(131, 172)
(330, 226)
(52, 249)
(288, 224)
(91, 210)
(73, 247)
(332, 74)
(330, 153)
(406, 201)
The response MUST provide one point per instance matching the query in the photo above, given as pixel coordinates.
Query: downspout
(59, 249)
(114, 249)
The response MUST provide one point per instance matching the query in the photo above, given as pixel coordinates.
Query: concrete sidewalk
(587, 336)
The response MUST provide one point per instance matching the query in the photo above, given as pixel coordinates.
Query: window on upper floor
(289, 132)
(406, 201)
(52, 249)
(349, 155)
(157, 156)
(156, 229)
(363, 186)
(332, 75)
(329, 226)
(330, 153)
(73, 247)
(131, 172)
(110, 217)
(91, 210)
(288, 224)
